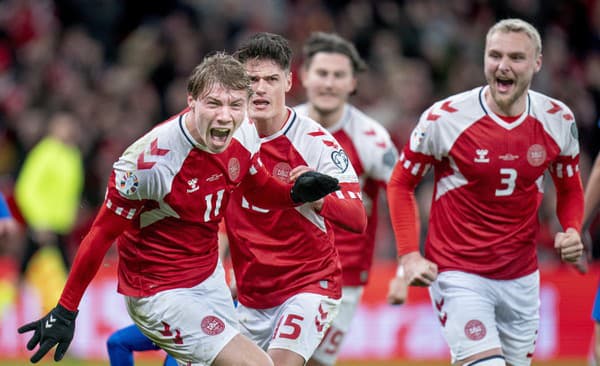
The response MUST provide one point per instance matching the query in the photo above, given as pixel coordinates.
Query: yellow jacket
(49, 186)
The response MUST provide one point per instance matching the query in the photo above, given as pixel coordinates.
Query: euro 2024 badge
(128, 183)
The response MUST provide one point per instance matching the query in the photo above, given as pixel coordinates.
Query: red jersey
(373, 156)
(489, 176)
(277, 254)
(163, 205)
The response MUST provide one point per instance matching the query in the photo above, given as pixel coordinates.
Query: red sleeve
(569, 193)
(104, 231)
(263, 190)
(344, 211)
(404, 213)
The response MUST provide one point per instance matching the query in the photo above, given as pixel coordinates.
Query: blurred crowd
(116, 68)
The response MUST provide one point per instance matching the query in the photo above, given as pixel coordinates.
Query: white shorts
(478, 314)
(297, 325)
(191, 324)
(328, 350)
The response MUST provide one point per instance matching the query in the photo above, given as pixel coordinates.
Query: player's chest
(201, 188)
(280, 156)
(490, 150)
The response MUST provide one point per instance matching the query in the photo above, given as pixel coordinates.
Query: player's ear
(538, 63)
(288, 80)
(191, 102)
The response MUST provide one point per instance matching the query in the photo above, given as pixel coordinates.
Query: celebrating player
(165, 198)
(489, 147)
(286, 266)
(329, 72)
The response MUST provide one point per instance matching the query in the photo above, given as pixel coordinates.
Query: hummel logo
(50, 322)
(481, 156)
(193, 183)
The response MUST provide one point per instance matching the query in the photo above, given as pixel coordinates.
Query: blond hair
(519, 26)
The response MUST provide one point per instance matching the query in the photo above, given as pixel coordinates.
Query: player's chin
(219, 147)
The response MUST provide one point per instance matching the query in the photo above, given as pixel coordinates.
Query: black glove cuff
(64, 313)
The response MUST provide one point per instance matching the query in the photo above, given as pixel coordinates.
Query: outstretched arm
(58, 326)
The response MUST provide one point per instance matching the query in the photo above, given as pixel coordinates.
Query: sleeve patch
(127, 183)
(340, 159)
(574, 132)
(390, 157)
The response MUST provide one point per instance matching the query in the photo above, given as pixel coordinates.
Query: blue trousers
(122, 343)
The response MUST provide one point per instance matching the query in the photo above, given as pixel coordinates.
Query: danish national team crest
(475, 330)
(212, 325)
(282, 171)
(233, 168)
(340, 159)
(128, 183)
(536, 155)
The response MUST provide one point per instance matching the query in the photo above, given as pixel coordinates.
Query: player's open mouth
(260, 103)
(219, 134)
(504, 84)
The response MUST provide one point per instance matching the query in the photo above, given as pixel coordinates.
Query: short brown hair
(332, 43)
(218, 68)
(266, 46)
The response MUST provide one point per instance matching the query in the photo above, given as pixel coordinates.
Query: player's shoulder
(302, 124)
(247, 136)
(363, 124)
(546, 108)
(301, 109)
(308, 137)
(458, 109)
(464, 100)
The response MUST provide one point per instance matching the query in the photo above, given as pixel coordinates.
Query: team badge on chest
(282, 171)
(233, 168)
(536, 155)
(340, 159)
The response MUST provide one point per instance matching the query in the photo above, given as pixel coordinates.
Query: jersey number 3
(508, 179)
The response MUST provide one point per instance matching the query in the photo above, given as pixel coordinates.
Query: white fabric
(329, 349)
(478, 314)
(201, 317)
(297, 325)
(495, 361)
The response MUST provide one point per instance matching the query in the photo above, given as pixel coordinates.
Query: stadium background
(122, 67)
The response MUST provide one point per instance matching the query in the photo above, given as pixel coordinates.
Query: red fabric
(569, 198)
(404, 213)
(256, 185)
(105, 230)
(343, 212)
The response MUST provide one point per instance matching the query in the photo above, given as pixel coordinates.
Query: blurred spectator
(48, 188)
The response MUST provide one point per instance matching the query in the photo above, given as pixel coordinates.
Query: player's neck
(327, 119)
(270, 126)
(509, 109)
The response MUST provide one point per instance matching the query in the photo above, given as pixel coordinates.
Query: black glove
(311, 186)
(57, 327)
